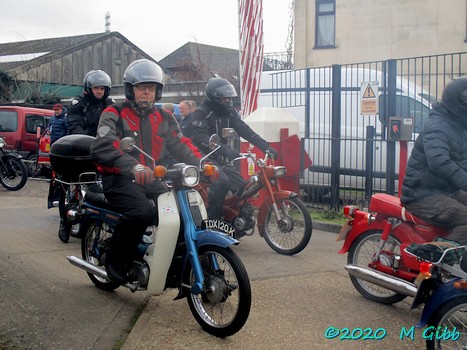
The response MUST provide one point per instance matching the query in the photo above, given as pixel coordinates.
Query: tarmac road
(46, 303)
(295, 300)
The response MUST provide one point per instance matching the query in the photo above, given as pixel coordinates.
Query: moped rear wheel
(361, 253)
(95, 239)
(13, 173)
(292, 235)
(450, 317)
(223, 306)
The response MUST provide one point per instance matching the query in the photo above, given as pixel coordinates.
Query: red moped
(282, 218)
(375, 240)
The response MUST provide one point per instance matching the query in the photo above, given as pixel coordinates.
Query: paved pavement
(295, 300)
(53, 305)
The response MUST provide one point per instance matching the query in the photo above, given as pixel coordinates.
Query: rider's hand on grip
(142, 174)
(272, 153)
(231, 153)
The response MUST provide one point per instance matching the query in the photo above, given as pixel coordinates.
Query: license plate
(344, 230)
(219, 225)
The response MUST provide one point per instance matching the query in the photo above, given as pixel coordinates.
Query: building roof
(217, 60)
(33, 52)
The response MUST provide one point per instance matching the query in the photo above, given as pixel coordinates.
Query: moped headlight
(190, 176)
(2, 142)
(280, 171)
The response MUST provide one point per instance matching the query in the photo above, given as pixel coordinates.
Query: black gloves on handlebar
(272, 152)
(230, 153)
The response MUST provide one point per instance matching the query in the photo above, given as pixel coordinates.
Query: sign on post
(369, 98)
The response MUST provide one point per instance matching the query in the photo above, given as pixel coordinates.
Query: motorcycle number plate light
(192, 198)
(344, 230)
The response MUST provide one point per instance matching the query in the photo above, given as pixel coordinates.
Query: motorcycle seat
(389, 205)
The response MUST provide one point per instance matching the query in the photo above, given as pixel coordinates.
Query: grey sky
(157, 27)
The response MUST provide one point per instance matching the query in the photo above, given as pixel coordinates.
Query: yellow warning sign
(369, 98)
(251, 168)
(369, 93)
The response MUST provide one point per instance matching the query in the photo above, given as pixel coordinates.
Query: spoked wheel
(95, 238)
(34, 169)
(13, 173)
(224, 305)
(450, 317)
(361, 253)
(292, 234)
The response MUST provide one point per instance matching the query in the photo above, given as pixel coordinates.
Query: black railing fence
(354, 154)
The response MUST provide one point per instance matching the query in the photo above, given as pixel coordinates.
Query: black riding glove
(272, 152)
(230, 153)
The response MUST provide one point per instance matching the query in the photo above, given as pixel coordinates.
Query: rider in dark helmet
(127, 178)
(85, 109)
(435, 184)
(83, 117)
(212, 115)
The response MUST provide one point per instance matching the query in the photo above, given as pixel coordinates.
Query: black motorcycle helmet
(220, 92)
(96, 78)
(143, 71)
(454, 98)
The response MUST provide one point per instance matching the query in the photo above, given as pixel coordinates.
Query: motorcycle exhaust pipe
(383, 280)
(82, 264)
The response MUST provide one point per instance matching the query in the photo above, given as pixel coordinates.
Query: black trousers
(132, 201)
(445, 210)
(229, 180)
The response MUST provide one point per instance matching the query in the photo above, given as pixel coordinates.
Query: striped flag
(251, 52)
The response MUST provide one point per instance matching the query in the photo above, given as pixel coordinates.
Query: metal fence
(352, 153)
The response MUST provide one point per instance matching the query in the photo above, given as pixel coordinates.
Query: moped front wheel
(95, 238)
(292, 233)
(447, 328)
(222, 308)
(361, 253)
(13, 173)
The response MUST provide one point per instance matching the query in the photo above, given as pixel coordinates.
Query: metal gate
(352, 155)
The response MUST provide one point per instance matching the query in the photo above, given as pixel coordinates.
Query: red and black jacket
(156, 133)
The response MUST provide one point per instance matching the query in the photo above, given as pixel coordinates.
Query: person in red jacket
(127, 178)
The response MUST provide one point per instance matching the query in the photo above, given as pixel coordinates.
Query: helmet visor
(225, 91)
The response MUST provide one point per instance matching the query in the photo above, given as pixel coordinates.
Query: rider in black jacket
(214, 114)
(435, 185)
(83, 118)
(85, 109)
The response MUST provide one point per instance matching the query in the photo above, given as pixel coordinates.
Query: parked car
(18, 125)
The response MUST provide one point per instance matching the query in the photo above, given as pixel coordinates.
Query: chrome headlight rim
(190, 176)
(2, 142)
(280, 171)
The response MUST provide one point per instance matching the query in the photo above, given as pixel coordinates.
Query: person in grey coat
(435, 185)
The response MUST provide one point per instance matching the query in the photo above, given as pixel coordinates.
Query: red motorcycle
(375, 240)
(283, 220)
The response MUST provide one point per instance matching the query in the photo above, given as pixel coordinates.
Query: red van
(18, 125)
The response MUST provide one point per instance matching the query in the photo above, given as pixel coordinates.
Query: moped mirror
(127, 144)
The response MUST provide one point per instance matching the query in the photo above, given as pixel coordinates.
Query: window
(33, 121)
(325, 30)
(8, 121)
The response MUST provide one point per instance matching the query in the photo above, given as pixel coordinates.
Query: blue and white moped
(178, 252)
